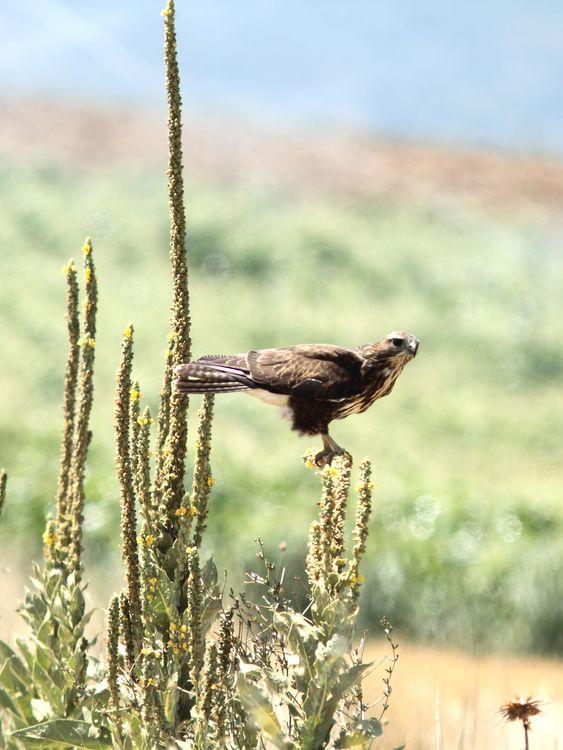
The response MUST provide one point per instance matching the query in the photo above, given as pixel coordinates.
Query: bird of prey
(312, 383)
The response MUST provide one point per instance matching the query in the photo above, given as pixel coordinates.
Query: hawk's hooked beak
(413, 346)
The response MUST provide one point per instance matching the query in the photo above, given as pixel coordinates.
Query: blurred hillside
(304, 238)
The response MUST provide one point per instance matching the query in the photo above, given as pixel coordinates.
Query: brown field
(470, 691)
(342, 163)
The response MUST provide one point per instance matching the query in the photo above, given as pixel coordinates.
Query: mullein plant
(300, 673)
(181, 668)
(44, 686)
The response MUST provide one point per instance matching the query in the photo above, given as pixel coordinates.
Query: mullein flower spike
(125, 476)
(82, 434)
(126, 633)
(171, 484)
(69, 402)
(3, 483)
(112, 652)
(360, 534)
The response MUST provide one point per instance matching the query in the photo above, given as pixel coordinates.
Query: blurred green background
(467, 533)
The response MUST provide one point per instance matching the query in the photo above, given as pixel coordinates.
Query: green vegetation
(466, 543)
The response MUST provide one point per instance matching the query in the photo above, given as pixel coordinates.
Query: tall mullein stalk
(326, 508)
(3, 483)
(112, 653)
(202, 479)
(142, 477)
(361, 530)
(163, 425)
(225, 656)
(125, 476)
(208, 683)
(195, 505)
(172, 478)
(343, 467)
(82, 434)
(69, 402)
(134, 426)
(314, 561)
(194, 616)
(126, 632)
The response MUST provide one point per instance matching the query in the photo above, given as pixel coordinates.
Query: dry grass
(471, 690)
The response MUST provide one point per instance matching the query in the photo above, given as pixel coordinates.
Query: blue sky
(461, 72)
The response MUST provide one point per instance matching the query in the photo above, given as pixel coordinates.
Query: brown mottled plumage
(314, 383)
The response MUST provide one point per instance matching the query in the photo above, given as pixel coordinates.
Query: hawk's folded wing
(319, 371)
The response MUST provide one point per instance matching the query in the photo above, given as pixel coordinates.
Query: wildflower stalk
(134, 414)
(141, 463)
(343, 466)
(175, 451)
(314, 562)
(112, 652)
(360, 534)
(202, 479)
(125, 476)
(163, 427)
(69, 403)
(208, 683)
(82, 434)
(194, 614)
(126, 632)
(3, 483)
(196, 504)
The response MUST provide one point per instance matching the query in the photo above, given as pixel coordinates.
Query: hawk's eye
(397, 342)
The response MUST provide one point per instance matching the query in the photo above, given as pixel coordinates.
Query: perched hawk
(313, 383)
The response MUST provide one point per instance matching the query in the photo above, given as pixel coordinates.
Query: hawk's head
(400, 344)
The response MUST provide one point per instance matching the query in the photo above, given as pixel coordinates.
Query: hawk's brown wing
(319, 371)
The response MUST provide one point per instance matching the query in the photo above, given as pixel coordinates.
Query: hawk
(312, 383)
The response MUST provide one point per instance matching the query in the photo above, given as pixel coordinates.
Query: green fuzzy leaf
(66, 733)
(258, 705)
(17, 666)
(7, 703)
(48, 689)
(10, 680)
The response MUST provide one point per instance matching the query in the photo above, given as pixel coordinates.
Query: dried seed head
(521, 709)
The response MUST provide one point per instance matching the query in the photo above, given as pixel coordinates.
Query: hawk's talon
(326, 457)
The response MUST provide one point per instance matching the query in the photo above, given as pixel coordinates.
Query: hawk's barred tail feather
(198, 377)
(193, 386)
